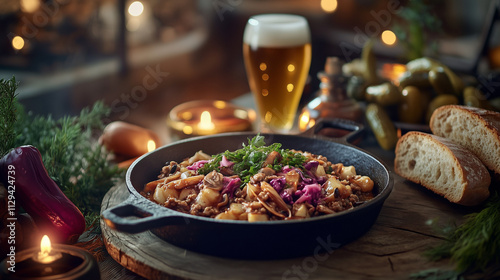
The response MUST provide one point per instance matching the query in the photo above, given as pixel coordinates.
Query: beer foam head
(276, 30)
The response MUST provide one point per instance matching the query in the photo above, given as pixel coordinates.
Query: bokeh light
(136, 8)
(17, 42)
(388, 37)
(329, 6)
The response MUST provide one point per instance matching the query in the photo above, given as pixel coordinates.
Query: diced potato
(302, 211)
(257, 217)
(243, 216)
(185, 193)
(226, 216)
(208, 197)
(320, 171)
(331, 185)
(236, 208)
(365, 183)
(347, 172)
(163, 193)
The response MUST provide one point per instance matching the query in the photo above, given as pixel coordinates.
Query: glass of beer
(277, 55)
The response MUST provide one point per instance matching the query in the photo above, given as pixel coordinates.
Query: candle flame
(151, 145)
(206, 121)
(46, 254)
(45, 246)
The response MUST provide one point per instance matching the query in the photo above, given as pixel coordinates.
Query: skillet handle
(130, 216)
(345, 131)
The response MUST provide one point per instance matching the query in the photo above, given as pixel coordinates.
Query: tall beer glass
(277, 54)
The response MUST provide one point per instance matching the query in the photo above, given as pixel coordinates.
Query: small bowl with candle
(50, 262)
(207, 117)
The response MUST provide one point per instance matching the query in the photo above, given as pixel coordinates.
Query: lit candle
(206, 123)
(46, 255)
(50, 262)
(205, 117)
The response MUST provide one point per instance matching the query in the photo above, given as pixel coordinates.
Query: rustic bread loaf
(442, 166)
(476, 129)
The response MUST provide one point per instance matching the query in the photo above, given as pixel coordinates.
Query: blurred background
(144, 57)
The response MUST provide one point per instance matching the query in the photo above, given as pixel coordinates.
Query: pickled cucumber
(427, 64)
(382, 126)
(385, 94)
(474, 97)
(418, 79)
(438, 101)
(413, 104)
(440, 81)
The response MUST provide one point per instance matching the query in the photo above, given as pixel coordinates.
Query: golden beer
(277, 53)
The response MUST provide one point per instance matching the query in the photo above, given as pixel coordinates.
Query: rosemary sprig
(475, 244)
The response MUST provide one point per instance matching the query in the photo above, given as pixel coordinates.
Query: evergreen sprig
(474, 245)
(7, 114)
(72, 156)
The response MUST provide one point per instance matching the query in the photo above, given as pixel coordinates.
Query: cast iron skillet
(241, 239)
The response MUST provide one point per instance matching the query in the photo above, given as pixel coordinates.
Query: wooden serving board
(393, 248)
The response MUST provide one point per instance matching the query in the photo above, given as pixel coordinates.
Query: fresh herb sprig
(73, 158)
(475, 244)
(250, 159)
(7, 114)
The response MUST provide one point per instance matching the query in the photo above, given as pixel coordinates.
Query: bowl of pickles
(406, 102)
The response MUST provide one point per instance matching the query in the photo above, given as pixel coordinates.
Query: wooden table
(408, 225)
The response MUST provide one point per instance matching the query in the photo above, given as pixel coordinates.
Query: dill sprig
(7, 114)
(250, 159)
(475, 244)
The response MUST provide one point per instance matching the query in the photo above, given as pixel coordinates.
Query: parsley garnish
(250, 159)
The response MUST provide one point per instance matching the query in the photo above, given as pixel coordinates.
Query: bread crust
(473, 178)
(485, 124)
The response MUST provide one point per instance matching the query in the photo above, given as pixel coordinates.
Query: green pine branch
(7, 114)
(72, 156)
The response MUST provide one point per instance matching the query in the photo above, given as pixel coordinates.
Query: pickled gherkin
(382, 126)
(413, 105)
(438, 101)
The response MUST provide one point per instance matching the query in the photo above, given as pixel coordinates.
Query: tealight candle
(50, 262)
(205, 117)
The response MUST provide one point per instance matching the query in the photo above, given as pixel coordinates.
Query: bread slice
(476, 129)
(442, 166)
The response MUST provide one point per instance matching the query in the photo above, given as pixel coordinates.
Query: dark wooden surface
(408, 225)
